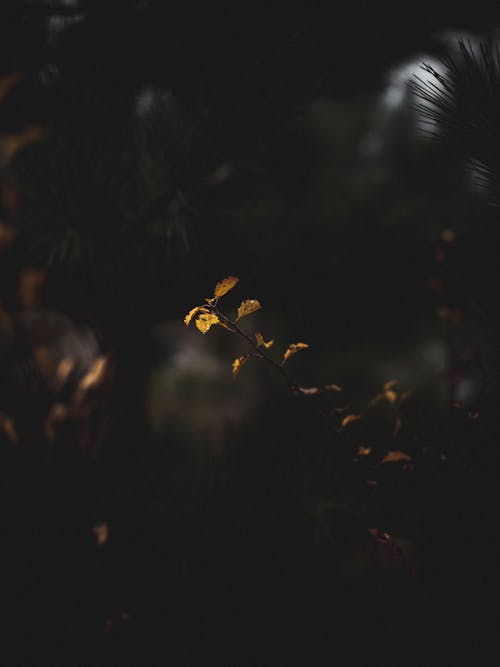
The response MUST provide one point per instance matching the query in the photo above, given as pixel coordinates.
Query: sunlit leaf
(349, 419)
(247, 307)
(293, 349)
(261, 342)
(395, 457)
(95, 375)
(206, 320)
(238, 363)
(63, 370)
(193, 312)
(224, 286)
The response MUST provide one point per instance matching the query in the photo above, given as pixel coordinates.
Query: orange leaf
(248, 307)
(395, 457)
(293, 349)
(224, 286)
(7, 82)
(349, 419)
(238, 363)
(391, 395)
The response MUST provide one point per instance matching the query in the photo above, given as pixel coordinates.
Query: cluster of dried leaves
(209, 314)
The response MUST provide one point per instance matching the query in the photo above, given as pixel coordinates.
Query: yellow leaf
(238, 363)
(394, 457)
(224, 286)
(390, 385)
(261, 342)
(293, 349)
(349, 419)
(391, 395)
(204, 321)
(247, 307)
(193, 312)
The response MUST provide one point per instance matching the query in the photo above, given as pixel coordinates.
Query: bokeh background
(155, 506)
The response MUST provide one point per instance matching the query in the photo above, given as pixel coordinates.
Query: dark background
(238, 514)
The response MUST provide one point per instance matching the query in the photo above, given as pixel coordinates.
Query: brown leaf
(248, 307)
(395, 457)
(364, 451)
(308, 391)
(224, 286)
(293, 349)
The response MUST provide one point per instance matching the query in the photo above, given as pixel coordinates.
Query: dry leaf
(391, 395)
(261, 342)
(193, 312)
(64, 368)
(224, 286)
(364, 451)
(247, 307)
(95, 375)
(349, 419)
(293, 349)
(390, 385)
(332, 387)
(204, 321)
(308, 391)
(313, 391)
(395, 457)
(238, 363)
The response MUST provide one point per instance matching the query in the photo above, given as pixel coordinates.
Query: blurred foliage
(172, 508)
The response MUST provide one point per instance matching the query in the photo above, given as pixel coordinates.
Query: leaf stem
(257, 350)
